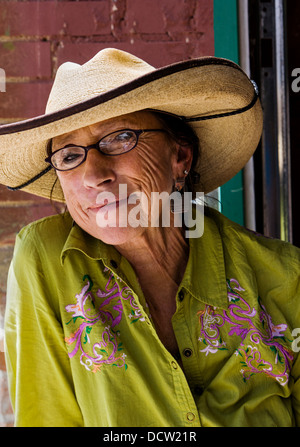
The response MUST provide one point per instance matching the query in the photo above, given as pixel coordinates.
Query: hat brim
(194, 89)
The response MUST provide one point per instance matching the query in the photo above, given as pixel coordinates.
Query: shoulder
(43, 237)
(269, 270)
(58, 222)
(255, 245)
(35, 266)
(268, 267)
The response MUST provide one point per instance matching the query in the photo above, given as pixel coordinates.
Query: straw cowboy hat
(213, 95)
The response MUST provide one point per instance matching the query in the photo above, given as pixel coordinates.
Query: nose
(97, 170)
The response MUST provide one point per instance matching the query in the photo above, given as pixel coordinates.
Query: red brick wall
(37, 36)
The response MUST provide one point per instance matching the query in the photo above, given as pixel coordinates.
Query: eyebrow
(122, 125)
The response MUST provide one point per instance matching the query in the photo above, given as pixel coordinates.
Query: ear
(182, 160)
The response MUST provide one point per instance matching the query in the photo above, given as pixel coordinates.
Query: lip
(115, 203)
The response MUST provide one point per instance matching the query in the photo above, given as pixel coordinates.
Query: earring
(180, 181)
(178, 207)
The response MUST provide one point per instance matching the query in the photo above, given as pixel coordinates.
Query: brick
(10, 223)
(157, 54)
(2, 312)
(2, 359)
(6, 414)
(160, 54)
(7, 196)
(24, 100)
(176, 19)
(85, 18)
(165, 16)
(118, 22)
(54, 18)
(202, 47)
(179, 16)
(26, 59)
(204, 21)
(146, 16)
(6, 254)
(78, 52)
(22, 18)
(204, 15)
(12, 219)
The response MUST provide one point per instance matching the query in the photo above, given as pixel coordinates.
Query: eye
(71, 157)
(124, 136)
(118, 142)
(68, 157)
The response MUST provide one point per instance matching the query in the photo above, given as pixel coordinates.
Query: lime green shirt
(81, 349)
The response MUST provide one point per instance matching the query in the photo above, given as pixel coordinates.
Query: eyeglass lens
(115, 143)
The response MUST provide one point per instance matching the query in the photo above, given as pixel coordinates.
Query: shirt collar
(93, 248)
(204, 277)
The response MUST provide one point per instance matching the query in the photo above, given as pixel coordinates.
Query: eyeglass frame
(137, 132)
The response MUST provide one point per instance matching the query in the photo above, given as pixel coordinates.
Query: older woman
(123, 324)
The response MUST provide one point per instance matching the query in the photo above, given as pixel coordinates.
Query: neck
(158, 257)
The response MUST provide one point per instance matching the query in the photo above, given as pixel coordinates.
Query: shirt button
(187, 352)
(190, 416)
(113, 264)
(174, 365)
(181, 295)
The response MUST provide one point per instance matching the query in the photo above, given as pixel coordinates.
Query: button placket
(187, 352)
(190, 416)
(174, 365)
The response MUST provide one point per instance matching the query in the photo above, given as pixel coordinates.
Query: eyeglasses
(115, 143)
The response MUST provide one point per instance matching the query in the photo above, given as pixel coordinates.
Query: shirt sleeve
(40, 378)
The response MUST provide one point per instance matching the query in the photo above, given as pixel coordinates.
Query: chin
(114, 235)
(108, 231)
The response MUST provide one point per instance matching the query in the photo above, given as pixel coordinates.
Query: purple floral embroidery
(88, 311)
(239, 317)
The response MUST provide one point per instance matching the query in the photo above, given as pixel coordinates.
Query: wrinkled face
(152, 165)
